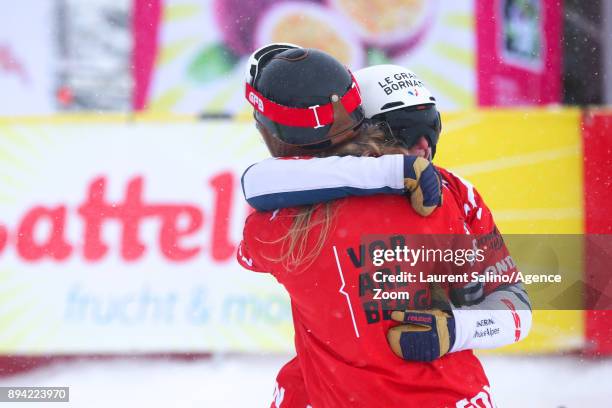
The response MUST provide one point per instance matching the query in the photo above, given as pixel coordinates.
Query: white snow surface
(248, 381)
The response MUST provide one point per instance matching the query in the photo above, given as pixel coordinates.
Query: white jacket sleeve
(502, 318)
(288, 182)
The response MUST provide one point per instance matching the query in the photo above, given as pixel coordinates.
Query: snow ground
(248, 381)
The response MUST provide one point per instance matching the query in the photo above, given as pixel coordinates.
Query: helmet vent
(293, 55)
(391, 105)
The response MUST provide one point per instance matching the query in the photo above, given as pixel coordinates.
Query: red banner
(597, 142)
(519, 52)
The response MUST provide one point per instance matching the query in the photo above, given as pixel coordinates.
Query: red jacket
(339, 338)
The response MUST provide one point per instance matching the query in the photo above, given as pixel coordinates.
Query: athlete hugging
(351, 159)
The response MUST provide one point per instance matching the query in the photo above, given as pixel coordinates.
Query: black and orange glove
(423, 183)
(423, 335)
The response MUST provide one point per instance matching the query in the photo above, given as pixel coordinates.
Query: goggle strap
(312, 117)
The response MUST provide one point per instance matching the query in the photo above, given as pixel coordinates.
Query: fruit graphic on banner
(394, 25)
(237, 21)
(202, 45)
(296, 22)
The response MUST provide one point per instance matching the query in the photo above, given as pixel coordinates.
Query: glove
(424, 335)
(423, 183)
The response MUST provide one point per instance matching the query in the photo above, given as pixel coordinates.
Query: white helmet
(389, 87)
(395, 98)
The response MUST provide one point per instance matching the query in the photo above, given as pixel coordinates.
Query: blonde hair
(369, 141)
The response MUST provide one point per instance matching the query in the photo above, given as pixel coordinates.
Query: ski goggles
(314, 116)
(408, 125)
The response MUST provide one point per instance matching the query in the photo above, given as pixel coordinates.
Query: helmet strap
(343, 126)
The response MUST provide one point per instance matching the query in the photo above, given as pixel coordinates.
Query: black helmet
(407, 125)
(304, 99)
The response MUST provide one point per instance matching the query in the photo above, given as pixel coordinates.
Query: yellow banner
(527, 165)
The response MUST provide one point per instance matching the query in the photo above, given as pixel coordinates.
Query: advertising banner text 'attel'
(120, 236)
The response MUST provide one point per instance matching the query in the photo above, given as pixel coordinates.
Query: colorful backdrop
(188, 56)
(117, 234)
